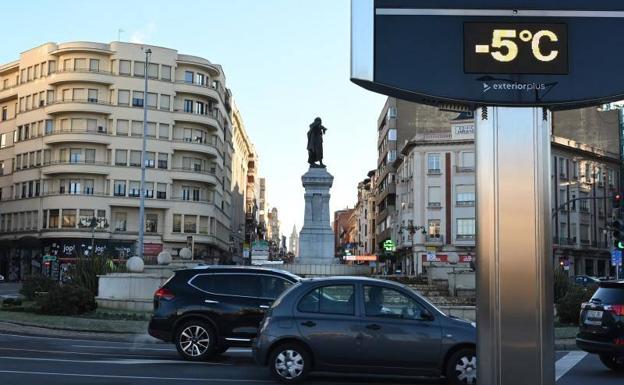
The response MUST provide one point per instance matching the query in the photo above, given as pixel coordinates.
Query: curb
(40, 331)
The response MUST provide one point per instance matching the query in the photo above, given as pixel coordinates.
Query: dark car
(363, 325)
(206, 310)
(585, 280)
(602, 325)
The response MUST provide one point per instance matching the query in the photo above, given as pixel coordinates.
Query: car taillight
(615, 309)
(584, 305)
(165, 294)
(619, 341)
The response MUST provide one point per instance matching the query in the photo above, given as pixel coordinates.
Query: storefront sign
(360, 257)
(152, 248)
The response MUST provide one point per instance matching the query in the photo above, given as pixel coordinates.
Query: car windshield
(422, 298)
(609, 295)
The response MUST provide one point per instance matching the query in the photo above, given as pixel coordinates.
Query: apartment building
(365, 217)
(71, 128)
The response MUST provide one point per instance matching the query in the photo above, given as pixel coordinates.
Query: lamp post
(412, 230)
(143, 156)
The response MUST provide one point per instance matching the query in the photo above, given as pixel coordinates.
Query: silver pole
(143, 156)
(515, 336)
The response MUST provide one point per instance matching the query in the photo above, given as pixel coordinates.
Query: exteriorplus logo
(504, 85)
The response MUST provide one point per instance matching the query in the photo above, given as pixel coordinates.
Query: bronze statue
(315, 143)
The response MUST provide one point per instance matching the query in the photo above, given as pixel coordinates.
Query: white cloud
(143, 34)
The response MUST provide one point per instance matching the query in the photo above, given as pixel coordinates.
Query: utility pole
(143, 156)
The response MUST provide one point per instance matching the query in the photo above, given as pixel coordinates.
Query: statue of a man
(315, 143)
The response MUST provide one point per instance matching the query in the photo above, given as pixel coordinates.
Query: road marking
(122, 348)
(567, 362)
(116, 362)
(80, 340)
(81, 353)
(216, 380)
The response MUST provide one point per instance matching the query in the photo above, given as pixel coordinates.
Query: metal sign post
(514, 272)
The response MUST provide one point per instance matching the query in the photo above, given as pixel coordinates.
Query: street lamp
(148, 52)
(411, 229)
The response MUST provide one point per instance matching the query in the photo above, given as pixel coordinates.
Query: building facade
(343, 231)
(70, 153)
(293, 242)
(365, 217)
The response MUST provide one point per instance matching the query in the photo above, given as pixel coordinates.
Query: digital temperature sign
(515, 48)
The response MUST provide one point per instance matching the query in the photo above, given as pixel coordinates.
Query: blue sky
(286, 62)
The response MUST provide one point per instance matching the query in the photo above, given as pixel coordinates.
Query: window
(338, 299)
(188, 76)
(69, 218)
(203, 225)
(151, 130)
(137, 98)
(161, 191)
(135, 158)
(5, 113)
(165, 72)
(85, 218)
(195, 194)
(151, 99)
(92, 95)
(388, 303)
(242, 285)
(392, 134)
(433, 163)
(88, 186)
(152, 70)
(468, 160)
(53, 219)
(188, 105)
(150, 159)
(89, 155)
(201, 79)
(92, 125)
(162, 160)
(121, 157)
(135, 189)
(177, 223)
(434, 196)
(74, 187)
(190, 224)
(199, 108)
(75, 155)
(465, 228)
(465, 195)
(51, 67)
(49, 126)
(80, 64)
(119, 188)
(94, 65)
(163, 131)
(123, 97)
(433, 228)
(139, 68)
(151, 223)
(124, 67)
(186, 193)
(3, 141)
(119, 220)
(137, 128)
(165, 101)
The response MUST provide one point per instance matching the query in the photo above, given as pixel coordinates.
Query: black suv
(602, 325)
(205, 310)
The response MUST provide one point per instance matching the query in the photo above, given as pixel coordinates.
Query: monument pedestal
(316, 239)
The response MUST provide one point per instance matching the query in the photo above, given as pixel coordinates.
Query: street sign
(389, 245)
(616, 257)
(467, 53)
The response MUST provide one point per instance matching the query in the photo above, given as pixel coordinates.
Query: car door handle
(309, 324)
(373, 327)
(210, 301)
(264, 306)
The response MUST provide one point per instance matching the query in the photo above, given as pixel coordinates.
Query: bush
(35, 284)
(68, 299)
(85, 272)
(569, 308)
(562, 284)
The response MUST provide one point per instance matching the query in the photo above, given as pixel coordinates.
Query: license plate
(594, 317)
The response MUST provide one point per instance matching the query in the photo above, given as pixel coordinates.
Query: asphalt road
(45, 360)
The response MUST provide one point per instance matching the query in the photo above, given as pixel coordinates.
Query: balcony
(8, 93)
(197, 145)
(211, 119)
(75, 167)
(100, 135)
(465, 203)
(434, 205)
(460, 169)
(197, 89)
(78, 105)
(193, 174)
(465, 237)
(434, 239)
(77, 75)
(434, 171)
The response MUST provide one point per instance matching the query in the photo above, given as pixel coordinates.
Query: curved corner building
(71, 129)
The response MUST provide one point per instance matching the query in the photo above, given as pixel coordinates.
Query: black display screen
(516, 48)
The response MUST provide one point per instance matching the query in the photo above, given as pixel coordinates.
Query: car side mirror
(426, 315)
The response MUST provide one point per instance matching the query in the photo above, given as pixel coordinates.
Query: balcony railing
(434, 238)
(465, 203)
(434, 171)
(461, 169)
(465, 237)
(193, 169)
(83, 70)
(434, 205)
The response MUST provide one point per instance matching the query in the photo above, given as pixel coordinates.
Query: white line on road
(81, 353)
(129, 361)
(79, 340)
(567, 362)
(122, 348)
(216, 380)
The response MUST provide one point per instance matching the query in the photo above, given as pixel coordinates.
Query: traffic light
(617, 200)
(616, 233)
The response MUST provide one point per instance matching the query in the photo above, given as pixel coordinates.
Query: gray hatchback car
(363, 325)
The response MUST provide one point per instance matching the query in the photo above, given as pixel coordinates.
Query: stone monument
(316, 239)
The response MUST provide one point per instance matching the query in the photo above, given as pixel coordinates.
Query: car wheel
(290, 363)
(612, 362)
(461, 368)
(195, 341)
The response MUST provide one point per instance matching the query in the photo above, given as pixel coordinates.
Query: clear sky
(286, 62)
